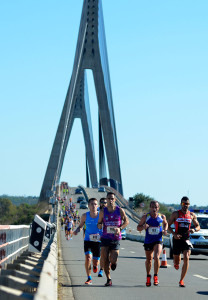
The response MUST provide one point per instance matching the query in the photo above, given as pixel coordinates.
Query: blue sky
(157, 53)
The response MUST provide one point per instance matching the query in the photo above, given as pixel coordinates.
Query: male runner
(155, 225)
(112, 219)
(69, 227)
(181, 244)
(91, 239)
(103, 203)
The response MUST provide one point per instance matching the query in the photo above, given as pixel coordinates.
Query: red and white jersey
(183, 224)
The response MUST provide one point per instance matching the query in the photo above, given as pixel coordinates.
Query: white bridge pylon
(91, 53)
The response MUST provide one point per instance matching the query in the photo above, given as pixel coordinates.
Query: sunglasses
(111, 198)
(103, 202)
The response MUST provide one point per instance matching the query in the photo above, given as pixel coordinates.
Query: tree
(141, 198)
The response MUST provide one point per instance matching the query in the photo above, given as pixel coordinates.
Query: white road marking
(122, 248)
(202, 277)
(132, 252)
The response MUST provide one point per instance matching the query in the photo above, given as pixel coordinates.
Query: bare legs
(108, 257)
(88, 260)
(177, 260)
(149, 257)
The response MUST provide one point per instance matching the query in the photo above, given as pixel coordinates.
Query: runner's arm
(196, 224)
(172, 219)
(142, 224)
(165, 225)
(81, 224)
(100, 220)
(124, 219)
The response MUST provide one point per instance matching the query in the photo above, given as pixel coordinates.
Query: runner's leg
(157, 253)
(148, 263)
(186, 255)
(88, 259)
(113, 258)
(176, 259)
(106, 262)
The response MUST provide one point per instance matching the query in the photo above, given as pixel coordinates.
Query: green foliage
(18, 200)
(11, 214)
(140, 199)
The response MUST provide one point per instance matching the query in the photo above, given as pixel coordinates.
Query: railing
(25, 274)
(14, 239)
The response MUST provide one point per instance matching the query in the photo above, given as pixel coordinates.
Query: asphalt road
(130, 276)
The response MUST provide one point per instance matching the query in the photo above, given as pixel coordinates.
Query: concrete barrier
(140, 238)
(30, 275)
(47, 289)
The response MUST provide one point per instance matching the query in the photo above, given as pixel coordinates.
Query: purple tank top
(111, 220)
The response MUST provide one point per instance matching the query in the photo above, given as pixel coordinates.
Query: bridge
(57, 271)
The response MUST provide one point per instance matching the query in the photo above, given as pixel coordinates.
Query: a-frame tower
(91, 53)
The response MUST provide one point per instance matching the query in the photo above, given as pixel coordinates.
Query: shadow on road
(100, 286)
(134, 257)
(202, 293)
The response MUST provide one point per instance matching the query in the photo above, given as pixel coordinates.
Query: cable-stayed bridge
(35, 276)
(91, 53)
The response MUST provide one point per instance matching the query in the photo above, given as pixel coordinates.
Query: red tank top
(183, 224)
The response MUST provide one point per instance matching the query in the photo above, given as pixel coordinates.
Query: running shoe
(109, 282)
(181, 283)
(156, 281)
(100, 274)
(95, 269)
(148, 283)
(176, 267)
(89, 281)
(113, 267)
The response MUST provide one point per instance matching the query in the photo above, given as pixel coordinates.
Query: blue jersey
(69, 224)
(92, 233)
(154, 231)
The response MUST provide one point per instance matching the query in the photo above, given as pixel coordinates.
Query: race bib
(95, 237)
(111, 229)
(154, 230)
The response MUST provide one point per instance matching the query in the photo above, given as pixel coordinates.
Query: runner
(70, 226)
(91, 239)
(181, 244)
(62, 223)
(103, 203)
(155, 225)
(66, 219)
(110, 219)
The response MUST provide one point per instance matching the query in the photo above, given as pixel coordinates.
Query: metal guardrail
(29, 275)
(14, 239)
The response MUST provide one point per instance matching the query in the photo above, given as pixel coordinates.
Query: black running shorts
(112, 244)
(92, 248)
(181, 245)
(150, 246)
